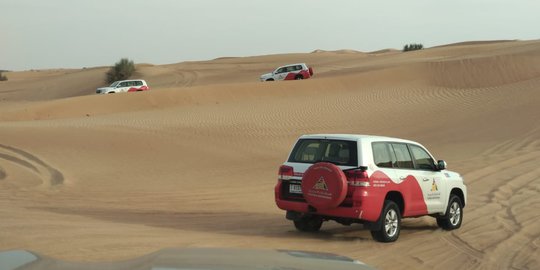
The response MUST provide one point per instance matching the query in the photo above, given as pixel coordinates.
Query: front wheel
(390, 223)
(308, 224)
(454, 214)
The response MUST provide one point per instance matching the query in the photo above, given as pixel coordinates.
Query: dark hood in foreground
(191, 258)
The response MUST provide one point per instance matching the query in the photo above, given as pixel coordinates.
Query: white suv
(124, 86)
(371, 180)
(289, 72)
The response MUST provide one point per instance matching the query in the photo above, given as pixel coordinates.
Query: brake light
(285, 172)
(358, 178)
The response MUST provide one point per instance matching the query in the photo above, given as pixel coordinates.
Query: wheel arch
(396, 197)
(458, 192)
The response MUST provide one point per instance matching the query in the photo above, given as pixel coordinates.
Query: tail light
(285, 172)
(358, 178)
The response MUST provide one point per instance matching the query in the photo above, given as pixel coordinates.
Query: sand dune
(193, 162)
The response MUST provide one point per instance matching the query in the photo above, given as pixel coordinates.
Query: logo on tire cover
(320, 184)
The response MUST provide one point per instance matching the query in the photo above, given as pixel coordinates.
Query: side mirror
(441, 165)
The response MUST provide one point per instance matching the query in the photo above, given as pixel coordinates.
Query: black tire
(308, 224)
(390, 221)
(454, 214)
(299, 77)
(111, 93)
(270, 80)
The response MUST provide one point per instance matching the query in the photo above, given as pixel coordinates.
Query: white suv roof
(297, 64)
(356, 137)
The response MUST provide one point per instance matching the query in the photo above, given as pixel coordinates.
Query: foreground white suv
(289, 72)
(124, 86)
(371, 180)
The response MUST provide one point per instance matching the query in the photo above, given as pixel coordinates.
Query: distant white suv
(124, 86)
(289, 72)
(371, 180)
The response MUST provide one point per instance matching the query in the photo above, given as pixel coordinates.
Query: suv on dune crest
(365, 179)
(289, 72)
(124, 86)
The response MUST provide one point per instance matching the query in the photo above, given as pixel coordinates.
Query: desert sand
(193, 162)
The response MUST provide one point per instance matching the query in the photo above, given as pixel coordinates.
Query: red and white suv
(289, 72)
(124, 86)
(371, 180)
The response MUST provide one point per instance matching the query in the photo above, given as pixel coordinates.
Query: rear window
(339, 152)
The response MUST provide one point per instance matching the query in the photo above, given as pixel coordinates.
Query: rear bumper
(339, 212)
(363, 205)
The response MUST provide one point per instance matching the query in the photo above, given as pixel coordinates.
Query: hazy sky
(39, 34)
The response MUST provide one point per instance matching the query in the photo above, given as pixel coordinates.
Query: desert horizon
(193, 161)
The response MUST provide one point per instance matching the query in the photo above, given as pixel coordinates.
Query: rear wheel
(299, 77)
(390, 223)
(454, 214)
(308, 224)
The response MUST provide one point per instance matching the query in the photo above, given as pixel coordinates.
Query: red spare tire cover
(324, 185)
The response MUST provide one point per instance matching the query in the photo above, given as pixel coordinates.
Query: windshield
(114, 84)
(339, 152)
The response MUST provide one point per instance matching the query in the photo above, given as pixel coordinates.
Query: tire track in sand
(505, 203)
(44, 171)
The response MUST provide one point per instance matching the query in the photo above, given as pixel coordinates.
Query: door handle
(426, 179)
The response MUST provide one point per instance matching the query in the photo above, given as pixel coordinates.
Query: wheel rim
(455, 213)
(391, 223)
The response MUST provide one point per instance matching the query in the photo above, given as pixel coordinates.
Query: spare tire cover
(324, 185)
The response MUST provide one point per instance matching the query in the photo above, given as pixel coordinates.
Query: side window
(422, 159)
(299, 67)
(280, 70)
(381, 155)
(124, 84)
(290, 68)
(403, 157)
(138, 83)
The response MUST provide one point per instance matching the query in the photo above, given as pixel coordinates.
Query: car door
(307, 152)
(409, 184)
(384, 159)
(431, 180)
(122, 87)
(280, 73)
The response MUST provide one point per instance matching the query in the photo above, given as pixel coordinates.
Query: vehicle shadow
(236, 223)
